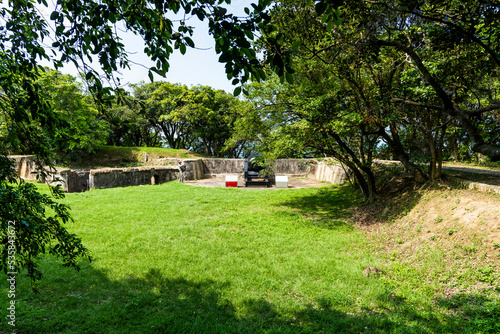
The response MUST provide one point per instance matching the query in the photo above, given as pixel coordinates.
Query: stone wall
(195, 169)
(328, 171)
(73, 180)
(482, 187)
(163, 171)
(123, 177)
(25, 166)
(293, 166)
(223, 166)
(219, 166)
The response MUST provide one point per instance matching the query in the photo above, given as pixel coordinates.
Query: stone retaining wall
(482, 187)
(25, 166)
(327, 171)
(81, 180)
(73, 180)
(123, 177)
(223, 166)
(293, 166)
(195, 169)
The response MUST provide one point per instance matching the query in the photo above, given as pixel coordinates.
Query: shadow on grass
(337, 207)
(328, 207)
(481, 313)
(91, 302)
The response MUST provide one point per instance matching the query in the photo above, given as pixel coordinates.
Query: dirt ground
(294, 182)
(450, 215)
(451, 236)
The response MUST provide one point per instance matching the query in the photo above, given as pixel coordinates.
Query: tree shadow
(327, 207)
(92, 302)
(338, 207)
(478, 311)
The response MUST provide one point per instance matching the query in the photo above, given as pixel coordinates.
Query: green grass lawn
(180, 259)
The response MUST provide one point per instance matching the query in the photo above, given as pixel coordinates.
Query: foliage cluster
(199, 119)
(80, 32)
(32, 225)
(415, 81)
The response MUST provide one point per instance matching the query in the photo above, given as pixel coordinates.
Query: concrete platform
(294, 182)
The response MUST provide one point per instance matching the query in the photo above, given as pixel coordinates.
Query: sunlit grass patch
(174, 258)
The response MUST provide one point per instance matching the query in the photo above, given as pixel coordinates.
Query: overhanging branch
(417, 104)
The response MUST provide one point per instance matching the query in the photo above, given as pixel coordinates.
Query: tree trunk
(452, 142)
(367, 185)
(399, 153)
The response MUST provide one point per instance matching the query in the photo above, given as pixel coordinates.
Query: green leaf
(329, 25)
(296, 45)
(54, 15)
(321, 7)
(189, 42)
(249, 34)
(237, 91)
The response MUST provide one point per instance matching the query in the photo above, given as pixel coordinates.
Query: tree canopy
(411, 80)
(81, 32)
(199, 119)
(442, 57)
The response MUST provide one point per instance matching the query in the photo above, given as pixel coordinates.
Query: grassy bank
(118, 156)
(179, 259)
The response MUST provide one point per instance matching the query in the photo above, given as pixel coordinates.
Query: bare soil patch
(450, 236)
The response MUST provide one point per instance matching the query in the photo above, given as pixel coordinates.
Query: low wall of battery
(77, 180)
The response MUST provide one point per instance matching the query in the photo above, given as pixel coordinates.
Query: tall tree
(211, 116)
(158, 102)
(406, 67)
(452, 46)
(200, 118)
(83, 129)
(85, 31)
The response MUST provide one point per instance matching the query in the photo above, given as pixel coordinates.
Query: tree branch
(448, 23)
(417, 104)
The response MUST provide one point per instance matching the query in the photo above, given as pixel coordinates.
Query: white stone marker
(281, 181)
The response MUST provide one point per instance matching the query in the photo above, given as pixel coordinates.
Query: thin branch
(483, 110)
(448, 23)
(417, 104)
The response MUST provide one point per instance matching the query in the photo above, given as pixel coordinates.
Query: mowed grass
(180, 259)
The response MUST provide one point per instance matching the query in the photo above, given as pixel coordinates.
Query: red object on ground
(232, 181)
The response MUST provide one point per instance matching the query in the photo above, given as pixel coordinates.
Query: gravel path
(475, 170)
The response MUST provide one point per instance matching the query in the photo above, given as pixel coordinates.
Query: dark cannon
(255, 175)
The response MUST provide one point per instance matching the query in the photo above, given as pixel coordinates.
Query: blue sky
(198, 66)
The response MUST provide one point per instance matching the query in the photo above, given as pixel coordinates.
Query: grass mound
(117, 156)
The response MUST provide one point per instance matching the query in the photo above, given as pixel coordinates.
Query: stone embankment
(165, 169)
(77, 180)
